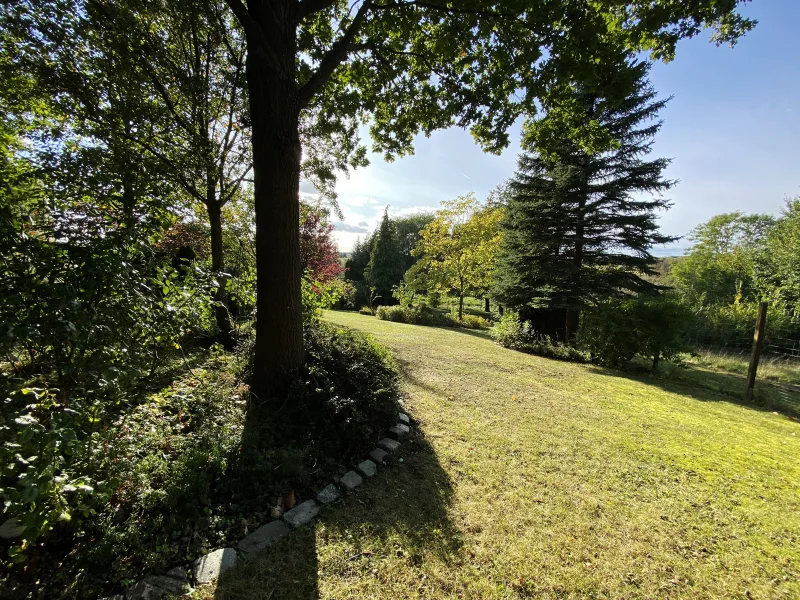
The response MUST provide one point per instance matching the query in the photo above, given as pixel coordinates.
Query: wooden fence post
(758, 345)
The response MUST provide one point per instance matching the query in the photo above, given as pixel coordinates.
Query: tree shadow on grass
(408, 375)
(402, 514)
(712, 386)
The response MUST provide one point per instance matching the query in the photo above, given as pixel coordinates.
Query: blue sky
(732, 130)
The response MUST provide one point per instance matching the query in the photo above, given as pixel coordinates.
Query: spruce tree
(385, 268)
(580, 223)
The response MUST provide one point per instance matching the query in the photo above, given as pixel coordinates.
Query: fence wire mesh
(778, 376)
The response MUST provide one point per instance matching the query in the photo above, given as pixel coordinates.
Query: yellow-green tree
(458, 248)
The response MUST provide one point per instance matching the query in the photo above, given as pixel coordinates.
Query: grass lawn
(532, 478)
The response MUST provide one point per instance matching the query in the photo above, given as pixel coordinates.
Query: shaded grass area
(546, 479)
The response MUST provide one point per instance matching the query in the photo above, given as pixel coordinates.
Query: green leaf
(11, 529)
(29, 493)
(26, 420)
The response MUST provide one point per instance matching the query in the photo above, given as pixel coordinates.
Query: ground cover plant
(179, 469)
(535, 478)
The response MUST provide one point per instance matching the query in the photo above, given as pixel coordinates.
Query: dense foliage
(319, 257)
(398, 238)
(385, 267)
(615, 331)
(720, 266)
(735, 262)
(457, 250)
(512, 332)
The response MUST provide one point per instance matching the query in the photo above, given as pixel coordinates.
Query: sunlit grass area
(532, 478)
(770, 368)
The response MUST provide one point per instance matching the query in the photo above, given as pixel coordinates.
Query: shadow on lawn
(403, 511)
(713, 386)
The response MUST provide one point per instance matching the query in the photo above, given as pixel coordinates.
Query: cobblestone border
(210, 566)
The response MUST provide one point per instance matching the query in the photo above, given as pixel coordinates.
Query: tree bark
(571, 325)
(274, 111)
(460, 307)
(221, 313)
(486, 304)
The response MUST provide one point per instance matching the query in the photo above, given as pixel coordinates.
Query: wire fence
(777, 381)
(780, 345)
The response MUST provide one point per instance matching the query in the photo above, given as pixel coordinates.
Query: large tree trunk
(486, 304)
(218, 264)
(274, 110)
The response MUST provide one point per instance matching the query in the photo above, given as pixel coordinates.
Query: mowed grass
(532, 478)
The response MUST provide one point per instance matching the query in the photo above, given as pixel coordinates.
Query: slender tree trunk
(500, 309)
(460, 306)
(218, 263)
(486, 304)
(580, 234)
(571, 325)
(274, 111)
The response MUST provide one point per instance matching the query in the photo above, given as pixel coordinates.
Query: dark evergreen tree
(359, 259)
(578, 227)
(385, 269)
(407, 231)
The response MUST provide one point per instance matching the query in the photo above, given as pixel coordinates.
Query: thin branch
(335, 56)
(492, 14)
(308, 7)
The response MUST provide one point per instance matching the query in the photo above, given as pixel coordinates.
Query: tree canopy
(719, 267)
(457, 249)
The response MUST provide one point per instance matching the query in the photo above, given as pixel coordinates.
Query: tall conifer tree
(385, 268)
(581, 222)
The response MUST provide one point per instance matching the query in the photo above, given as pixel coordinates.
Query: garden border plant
(210, 566)
(424, 315)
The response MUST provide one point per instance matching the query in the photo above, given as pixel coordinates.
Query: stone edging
(209, 567)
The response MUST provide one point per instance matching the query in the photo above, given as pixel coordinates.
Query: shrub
(397, 314)
(366, 310)
(608, 332)
(509, 331)
(474, 322)
(733, 324)
(512, 332)
(349, 390)
(403, 293)
(662, 322)
(422, 315)
(613, 332)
